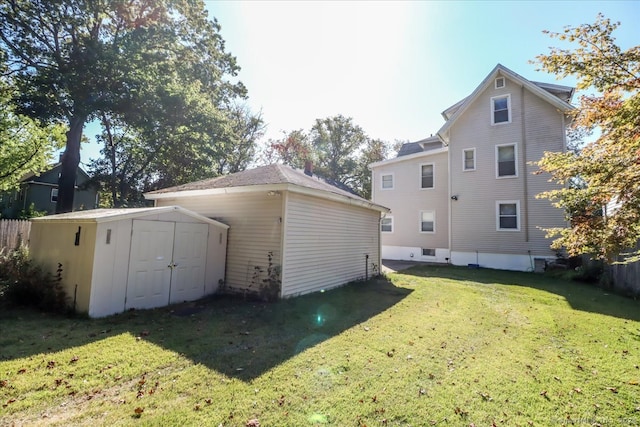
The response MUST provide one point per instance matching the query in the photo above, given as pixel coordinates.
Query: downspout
(450, 203)
(283, 244)
(525, 202)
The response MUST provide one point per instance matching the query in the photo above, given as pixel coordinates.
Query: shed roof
(265, 178)
(107, 215)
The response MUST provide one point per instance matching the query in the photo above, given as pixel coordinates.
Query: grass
(430, 346)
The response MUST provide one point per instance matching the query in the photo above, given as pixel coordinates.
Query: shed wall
(51, 244)
(255, 221)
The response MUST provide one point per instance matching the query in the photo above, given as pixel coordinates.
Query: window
(427, 221)
(426, 176)
(387, 182)
(428, 252)
(506, 160)
(54, 195)
(386, 224)
(500, 83)
(508, 213)
(501, 109)
(469, 159)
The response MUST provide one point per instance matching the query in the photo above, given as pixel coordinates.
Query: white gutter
(327, 195)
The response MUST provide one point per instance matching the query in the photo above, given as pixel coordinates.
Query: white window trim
(504, 202)
(393, 181)
(504, 83)
(508, 96)
(515, 154)
(51, 195)
(434, 176)
(420, 223)
(464, 159)
(387, 217)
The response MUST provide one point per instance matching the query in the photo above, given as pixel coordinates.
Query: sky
(392, 66)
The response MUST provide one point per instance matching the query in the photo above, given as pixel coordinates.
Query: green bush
(23, 283)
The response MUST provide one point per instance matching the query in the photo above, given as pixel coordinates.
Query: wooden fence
(626, 277)
(14, 231)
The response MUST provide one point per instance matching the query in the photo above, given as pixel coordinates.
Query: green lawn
(431, 346)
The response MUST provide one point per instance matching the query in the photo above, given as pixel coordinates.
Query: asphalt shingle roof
(263, 175)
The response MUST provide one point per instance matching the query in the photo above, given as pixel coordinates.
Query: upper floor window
(386, 224)
(469, 159)
(54, 195)
(501, 109)
(500, 83)
(427, 221)
(426, 176)
(507, 215)
(387, 181)
(506, 161)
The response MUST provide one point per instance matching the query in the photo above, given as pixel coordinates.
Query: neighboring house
(317, 235)
(468, 194)
(42, 191)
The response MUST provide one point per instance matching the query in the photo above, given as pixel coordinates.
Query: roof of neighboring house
(557, 95)
(49, 168)
(107, 215)
(272, 177)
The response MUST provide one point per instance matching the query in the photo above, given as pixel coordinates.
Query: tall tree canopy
(26, 146)
(140, 61)
(339, 149)
(600, 190)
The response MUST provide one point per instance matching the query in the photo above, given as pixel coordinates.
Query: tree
(73, 60)
(600, 190)
(337, 143)
(338, 148)
(25, 145)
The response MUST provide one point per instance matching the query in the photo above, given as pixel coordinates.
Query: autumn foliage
(599, 179)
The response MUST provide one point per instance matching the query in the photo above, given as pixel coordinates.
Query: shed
(288, 228)
(118, 259)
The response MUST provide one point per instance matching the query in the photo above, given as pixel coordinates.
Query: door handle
(172, 265)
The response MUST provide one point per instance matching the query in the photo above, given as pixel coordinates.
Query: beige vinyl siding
(407, 200)
(255, 224)
(52, 245)
(473, 216)
(326, 243)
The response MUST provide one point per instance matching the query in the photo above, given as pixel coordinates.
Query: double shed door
(167, 263)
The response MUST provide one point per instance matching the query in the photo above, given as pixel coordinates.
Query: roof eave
(409, 157)
(327, 195)
(563, 106)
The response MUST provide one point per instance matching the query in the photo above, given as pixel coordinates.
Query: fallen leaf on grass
(74, 359)
(577, 390)
(3, 383)
(138, 412)
(253, 423)
(632, 382)
(612, 389)
(51, 364)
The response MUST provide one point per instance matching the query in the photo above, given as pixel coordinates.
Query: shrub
(23, 283)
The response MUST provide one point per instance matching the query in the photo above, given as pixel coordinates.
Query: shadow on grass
(239, 338)
(581, 296)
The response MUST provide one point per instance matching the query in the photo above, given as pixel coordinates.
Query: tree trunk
(70, 162)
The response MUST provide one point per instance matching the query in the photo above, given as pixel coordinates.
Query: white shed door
(149, 281)
(189, 260)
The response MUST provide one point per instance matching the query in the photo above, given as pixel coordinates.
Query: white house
(467, 195)
(317, 235)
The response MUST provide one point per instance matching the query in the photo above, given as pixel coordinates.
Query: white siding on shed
(255, 221)
(326, 244)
